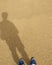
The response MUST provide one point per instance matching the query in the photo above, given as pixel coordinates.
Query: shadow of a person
(10, 34)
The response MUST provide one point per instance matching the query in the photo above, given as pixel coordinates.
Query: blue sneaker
(21, 61)
(33, 61)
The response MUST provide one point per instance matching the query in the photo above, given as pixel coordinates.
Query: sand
(33, 21)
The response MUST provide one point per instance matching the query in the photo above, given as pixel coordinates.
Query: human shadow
(9, 33)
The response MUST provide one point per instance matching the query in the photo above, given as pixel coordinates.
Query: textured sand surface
(33, 20)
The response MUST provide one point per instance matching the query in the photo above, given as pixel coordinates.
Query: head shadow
(9, 33)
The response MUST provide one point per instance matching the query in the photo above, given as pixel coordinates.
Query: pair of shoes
(32, 61)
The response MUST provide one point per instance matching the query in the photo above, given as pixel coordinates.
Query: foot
(21, 61)
(33, 61)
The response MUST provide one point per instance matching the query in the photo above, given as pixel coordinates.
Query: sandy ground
(33, 20)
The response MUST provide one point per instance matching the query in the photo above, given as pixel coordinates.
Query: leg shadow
(21, 49)
(14, 43)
